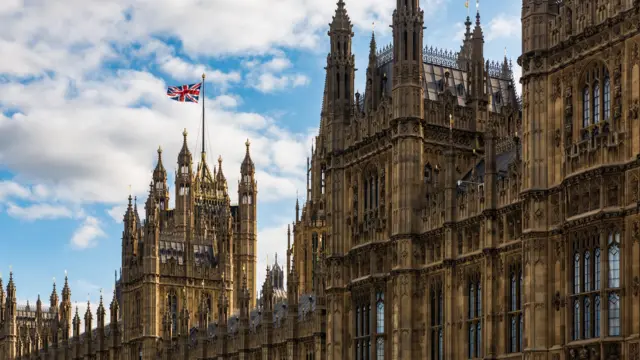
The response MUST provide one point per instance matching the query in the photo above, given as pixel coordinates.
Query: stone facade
(444, 218)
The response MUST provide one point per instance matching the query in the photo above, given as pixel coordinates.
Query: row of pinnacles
(269, 330)
(51, 333)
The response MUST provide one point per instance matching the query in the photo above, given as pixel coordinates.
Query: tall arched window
(587, 264)
(586, 110)
(437, 317)
(596, 97)
(380, 326)
(172, 307)
(347, 86)
(363, 331)
(515, 309)
(474, 320)
(576, 320)
(614, 283)
(576, 273)
(405, 45)
(596, 102)
(607, 98)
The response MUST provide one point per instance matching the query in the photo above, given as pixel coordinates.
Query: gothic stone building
(445, 218)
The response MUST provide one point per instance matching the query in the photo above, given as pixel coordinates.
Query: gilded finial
(159, 149)
(247, 143)
(219, 159)
(184, 132)
(203, 76)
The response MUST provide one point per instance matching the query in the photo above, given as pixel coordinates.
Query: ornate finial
(247, 143)
(203, 76)
(184, 133)
(220, 159)
(159, 149)
(373, 27)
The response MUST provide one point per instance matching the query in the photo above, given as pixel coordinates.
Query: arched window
(587, 267)
(586, 110)
(614, 261)
(347, 88)
(380, 312)
(380, 325)
(586, 286)
(366, 194)
(614, 314)
(405, 45)
(474, 321)
(607, 98)
(596, 318)
(596, 264)
(437, 317)
(576, 320)
(416, 49)
(515, 309)
(576, 273)
(596, 102)
(172, 307)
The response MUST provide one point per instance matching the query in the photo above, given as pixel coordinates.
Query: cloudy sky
(83, 110)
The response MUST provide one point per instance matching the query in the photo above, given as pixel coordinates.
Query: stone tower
(246, 243)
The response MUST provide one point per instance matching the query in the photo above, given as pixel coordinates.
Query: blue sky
(83, 110)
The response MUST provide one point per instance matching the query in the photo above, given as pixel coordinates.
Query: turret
(39, 311)
(184, 180)
(159, 185)
(76, 334)
(100, 315)
(371, 91)
(245, 301)
(88, 324)
(477, 74)
(65, 310)
(10, 311)
(340, 78)
(114, 308)
(246, 243)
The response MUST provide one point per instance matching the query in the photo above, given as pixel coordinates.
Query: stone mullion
(489, 308)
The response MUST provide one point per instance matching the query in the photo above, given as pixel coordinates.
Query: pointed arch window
(515, 309)
(172, 307)
(474, 320)
(347, 86)
(613, 243)
(596, 98)
(607, 98)
(586, 285)
(437, 320)
(380, 328)
(586, 110)
(405, 44)
(596, 102)
(363, 330)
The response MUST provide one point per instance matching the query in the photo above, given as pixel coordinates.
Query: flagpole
(202, 91)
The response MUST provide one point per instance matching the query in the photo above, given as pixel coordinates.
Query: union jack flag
(185, 93)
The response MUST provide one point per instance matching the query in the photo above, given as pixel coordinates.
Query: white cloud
(503, 26)
(11, 189)
(87, 235)
(268, 76)
(38, 212)
(117, 213)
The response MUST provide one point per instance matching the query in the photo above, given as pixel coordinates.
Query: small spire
(477, 12)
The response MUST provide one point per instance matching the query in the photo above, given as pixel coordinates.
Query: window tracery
(516, 318)
(437, 320)
(596, 100)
